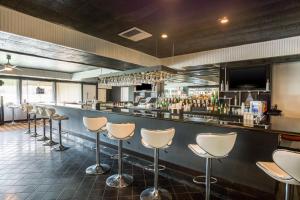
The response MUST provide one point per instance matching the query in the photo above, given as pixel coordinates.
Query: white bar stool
(43, 114)
(156, 139)
(60, 118)
(212, 146)
(34, 112)
(285, 169)
(120, 132)
(96, 125)
(26, 108)
(50, 113)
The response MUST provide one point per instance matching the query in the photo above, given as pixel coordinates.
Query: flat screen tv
(247, 78)
(144, 87)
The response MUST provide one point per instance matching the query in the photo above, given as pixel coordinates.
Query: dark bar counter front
(252, 144)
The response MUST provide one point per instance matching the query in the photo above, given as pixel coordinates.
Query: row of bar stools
(97, 126)
(212, 146)
(285, 169)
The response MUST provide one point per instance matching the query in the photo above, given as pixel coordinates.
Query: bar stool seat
(96, 125)
(60, 118)
(212, 146)
(120, 132)
(156, 139)
(285, 169)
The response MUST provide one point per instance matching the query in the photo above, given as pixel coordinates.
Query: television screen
(144, 87)
(247, 78)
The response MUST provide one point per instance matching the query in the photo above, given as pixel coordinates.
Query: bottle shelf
(237, 91)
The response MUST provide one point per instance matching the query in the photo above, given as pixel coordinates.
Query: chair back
(157, 138)
(50, 112)
(217, 145)
(288, 161)
(94, 124)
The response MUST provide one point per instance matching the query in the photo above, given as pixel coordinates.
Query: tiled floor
(30, 171)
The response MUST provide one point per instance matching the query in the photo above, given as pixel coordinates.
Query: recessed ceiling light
(224, 20)
(164, 36)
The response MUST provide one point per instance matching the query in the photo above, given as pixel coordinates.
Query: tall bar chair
(26, 108)
(212, 146)
(96, 125)
(285, 169)
(50, 113)
(59, 119)
(120, 132)
(156, 139)
(43, 114)
(34, 112)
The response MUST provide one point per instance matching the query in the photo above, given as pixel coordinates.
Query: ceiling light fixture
(224, 20)
(164, 36)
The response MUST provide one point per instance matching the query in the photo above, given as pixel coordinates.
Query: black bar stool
(34, 112)
(50, 113)
(43, 114)
(26, 108)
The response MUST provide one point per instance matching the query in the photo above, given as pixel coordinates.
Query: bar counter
(252, 144)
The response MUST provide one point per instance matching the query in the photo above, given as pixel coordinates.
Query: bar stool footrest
(201, 180)
(116, 156)
(151, 168)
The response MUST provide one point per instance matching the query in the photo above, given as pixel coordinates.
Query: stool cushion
(198, 151)
(120, 131)
(94, 124)
(289, 161)
(276, 172)
(157, 138)
(60, 117)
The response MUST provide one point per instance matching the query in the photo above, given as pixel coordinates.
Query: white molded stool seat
(60, 118)
(96, 125)
(156, 139)
(50, 112)
(285, 168)
(212, 146)
(120, 132)
(42, 112)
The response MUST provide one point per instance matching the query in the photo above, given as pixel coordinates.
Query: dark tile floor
(31, 171)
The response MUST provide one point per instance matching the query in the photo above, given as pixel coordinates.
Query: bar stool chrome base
(201, 180)
(61, 148)
(97, 169)
(119, 181)
(44, 138)
(50, 143)
(35, 135)
(28, 132)
(151, 194)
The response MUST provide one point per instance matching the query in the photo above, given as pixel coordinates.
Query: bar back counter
(238, 168)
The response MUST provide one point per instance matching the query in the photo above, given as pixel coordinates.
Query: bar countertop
(279, 125)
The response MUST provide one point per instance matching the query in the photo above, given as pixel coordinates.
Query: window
(68, 92)
(10, 91)
(37, 91)
(89, 92)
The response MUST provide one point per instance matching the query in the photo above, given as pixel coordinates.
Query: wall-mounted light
(164, 36)
(224, 20)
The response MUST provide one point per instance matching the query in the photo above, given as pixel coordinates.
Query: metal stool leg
(60, 147)
(13, 116)
(44, 138)
(28, 122)
(98, 168)
(207, 178)
(50, 142)
(155, 192)
(35, 133)
(119, 180)
(288, 189)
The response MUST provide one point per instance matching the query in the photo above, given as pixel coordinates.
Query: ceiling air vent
(135, 34)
